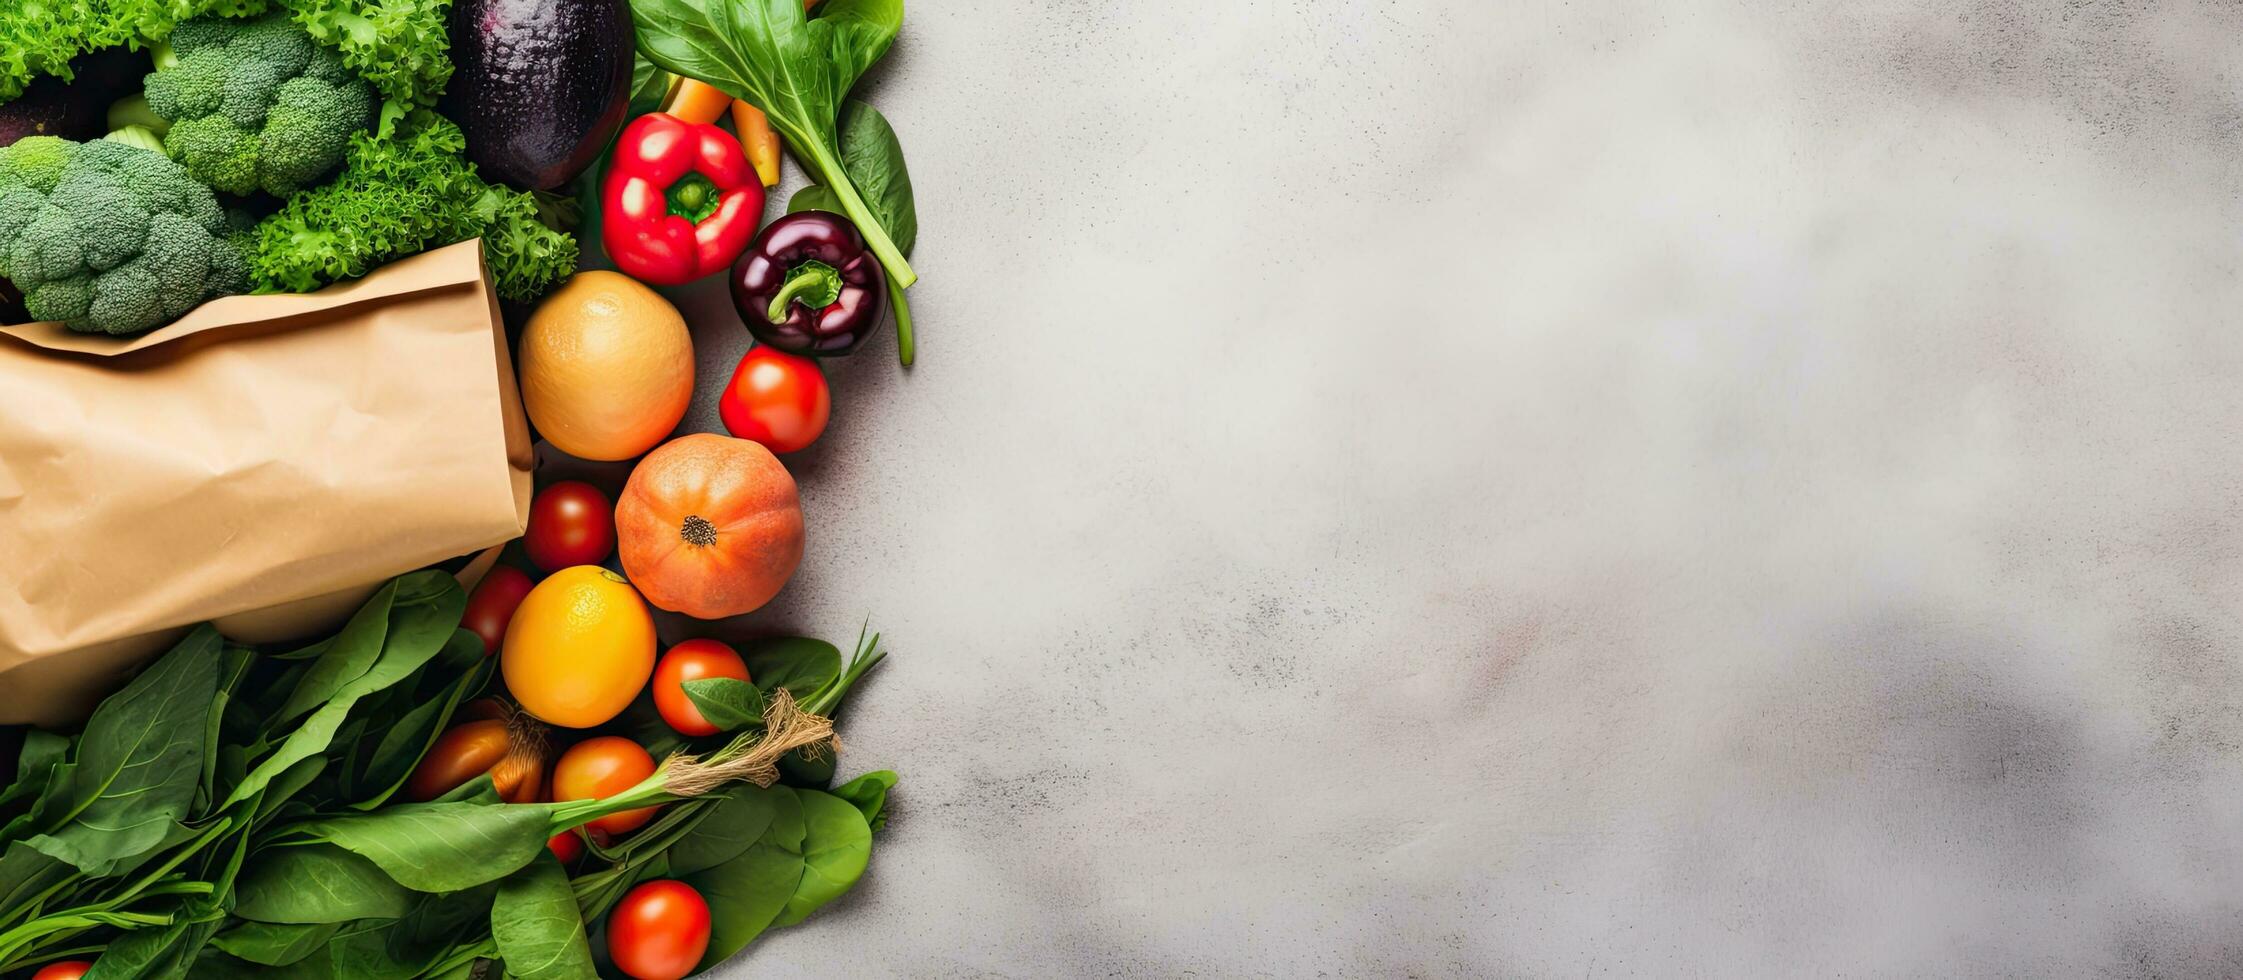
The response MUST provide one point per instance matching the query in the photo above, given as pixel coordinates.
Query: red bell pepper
(679, 201)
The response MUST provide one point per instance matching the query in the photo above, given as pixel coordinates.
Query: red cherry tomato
(571, 524)
(777, 399)
(597, 768)
(659, 931)
(73, 969)
(692, 660)
(566, 845)
(492, 604)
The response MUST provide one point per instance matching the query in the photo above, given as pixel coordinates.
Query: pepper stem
(694, 197)
(815, 283)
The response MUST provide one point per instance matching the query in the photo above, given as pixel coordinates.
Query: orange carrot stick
(757, 138)
(696, 101)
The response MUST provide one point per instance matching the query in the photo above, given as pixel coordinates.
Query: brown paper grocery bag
(263, 450)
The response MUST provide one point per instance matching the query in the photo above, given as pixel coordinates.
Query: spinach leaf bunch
(231, 814)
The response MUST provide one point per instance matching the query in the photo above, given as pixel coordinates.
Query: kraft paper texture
(261, 452)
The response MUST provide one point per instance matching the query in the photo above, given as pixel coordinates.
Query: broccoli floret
(257, 105)
(109, 237)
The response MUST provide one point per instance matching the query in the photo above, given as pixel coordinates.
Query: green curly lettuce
(409, 193)
(39, 37)
(401, 47)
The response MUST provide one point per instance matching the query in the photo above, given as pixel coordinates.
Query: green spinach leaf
(404, 743)
(161, 952)
(836, 846)
(439, 847)
(873, 158)
(274, 944)
(316, 883)
(734, 822)
(413, 642)
(539, 932)
(869, 793)
(139, 762)
(746, 893)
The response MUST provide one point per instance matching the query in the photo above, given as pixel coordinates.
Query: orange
(579, 648)
(607, 367)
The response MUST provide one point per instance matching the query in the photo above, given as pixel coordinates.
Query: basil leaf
(139, 762)
(869, 793)
(726, 703)
(747, 892)
(439, 847)
(316, 883)
(836, 846)
(535, 921)
(734, 822)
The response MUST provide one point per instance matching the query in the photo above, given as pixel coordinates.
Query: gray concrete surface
(1662, 488)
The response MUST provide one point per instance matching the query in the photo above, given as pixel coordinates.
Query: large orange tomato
(709, 526)
(579, 648)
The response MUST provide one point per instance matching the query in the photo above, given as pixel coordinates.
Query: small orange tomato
(692, 660)
(64, 970)
(513, 754)
(597, 768)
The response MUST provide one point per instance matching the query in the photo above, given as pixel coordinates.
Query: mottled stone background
(1538, 488)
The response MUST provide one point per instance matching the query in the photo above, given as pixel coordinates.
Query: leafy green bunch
(399, 46)
(229, 814)
(401, 195)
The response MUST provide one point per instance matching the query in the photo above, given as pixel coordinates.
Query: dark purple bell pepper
(809, 285)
